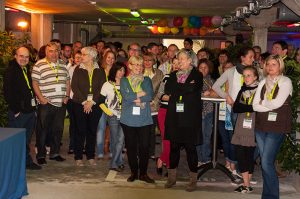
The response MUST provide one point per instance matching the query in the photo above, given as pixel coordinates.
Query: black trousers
(72, 127)
(191, 154)
(244, 156)
(86, 128)
(137, 145)
(49, 119)
(153, 136)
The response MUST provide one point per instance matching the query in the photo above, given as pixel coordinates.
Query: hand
(141, 94)
(166, 98)
(44, 100)
(71, 60)
(66, 100)
(206, 93)
(17, 114)
(229, 100)
(87, 107)
(138, 100)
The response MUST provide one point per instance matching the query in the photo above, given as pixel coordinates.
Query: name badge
(247, 123)
(136, 110)
(222, 111)
(33, 102)
(272, 116)
(118, 116)
(90, 97)
(179, 107)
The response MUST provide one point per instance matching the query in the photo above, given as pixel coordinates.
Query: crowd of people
(150, 87)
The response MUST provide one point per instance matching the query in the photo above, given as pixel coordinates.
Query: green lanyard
(137, 89)
(180, 98)
(91, 80)
(118, 94)
(168, 68)
(26, 78)
(242, 80)
(270, 95)
(249, 102)
(54, 69)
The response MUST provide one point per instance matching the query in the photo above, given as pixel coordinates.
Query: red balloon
(206, 21)
(162, 22)
(177, 21)
(195, 31)
(154, 29)
(186, 31)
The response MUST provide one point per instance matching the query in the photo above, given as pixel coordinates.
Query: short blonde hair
(135, 60)
(279, 60)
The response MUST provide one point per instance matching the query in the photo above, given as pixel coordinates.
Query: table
(12, 163)
(214, 164)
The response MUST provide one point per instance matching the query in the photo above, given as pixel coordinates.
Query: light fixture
(143, 21)
(135, 13)
(22, 24)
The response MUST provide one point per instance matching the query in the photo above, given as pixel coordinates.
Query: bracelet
(67, 96)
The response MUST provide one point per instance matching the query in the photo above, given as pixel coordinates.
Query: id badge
(179, 107)
(272, 116)
(118, 116)
(136, 110)
(247, 123)
(222, 111)
(33, 102)
(90, 97)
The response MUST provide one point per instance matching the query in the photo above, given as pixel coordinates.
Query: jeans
(204, 150)
(268, 144)
(117, 141)
(101, 135)
(49, 119)
(27, 121)
(70, 109)
(228, 148)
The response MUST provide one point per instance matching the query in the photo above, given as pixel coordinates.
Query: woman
(272, 102)
(87, 81)
(297, 56)
(136, 120)
(235, 81)
(111, 105)
(107, 62)
(181, 128)
(164, 157)
(243, 137)
(156, 76)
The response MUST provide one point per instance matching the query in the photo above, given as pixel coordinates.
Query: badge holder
(90, 97)
(136, 110)
(272, 116)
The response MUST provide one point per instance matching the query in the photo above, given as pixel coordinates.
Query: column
(2, 15)
(41, 29)
(260, 24)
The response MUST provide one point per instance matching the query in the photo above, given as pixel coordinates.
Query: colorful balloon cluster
(192, 25)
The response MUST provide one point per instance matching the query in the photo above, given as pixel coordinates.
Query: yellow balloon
(131, 28)
(174, 30)
(185, 22)
(167, 30)
(161, 30)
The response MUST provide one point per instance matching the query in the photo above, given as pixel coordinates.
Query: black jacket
(16, 92)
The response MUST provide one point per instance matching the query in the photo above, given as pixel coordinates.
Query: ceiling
(118, 11)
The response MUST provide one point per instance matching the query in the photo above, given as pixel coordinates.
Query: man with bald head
(20, 98)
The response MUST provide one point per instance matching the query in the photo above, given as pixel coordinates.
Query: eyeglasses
(136, 64)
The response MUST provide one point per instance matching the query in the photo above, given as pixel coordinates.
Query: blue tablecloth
(12, 163)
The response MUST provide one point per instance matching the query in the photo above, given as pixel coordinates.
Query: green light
(135, 13)
(144, 22)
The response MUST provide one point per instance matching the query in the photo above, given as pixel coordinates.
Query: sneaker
(236, 174)
(100, 156)
(253, 181)
(241, 189)
(249, 189)
(79, 163)
(92, 162)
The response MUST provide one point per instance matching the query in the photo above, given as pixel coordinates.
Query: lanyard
(137, 89)
(54, 69)
(180, 98)
(242, 80)
(270, 95)
(91, 80)
(168, 68)
(118, 94)
(249, 102)
(26, 78)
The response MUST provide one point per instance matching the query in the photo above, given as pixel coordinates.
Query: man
(20, 98)
(154, 50)
(281, 48)
(66, 53)
(166, 66)
(188, 46)
(100, 47)
(51, 84)
(228, 44)
(203, 53)
(77, 45)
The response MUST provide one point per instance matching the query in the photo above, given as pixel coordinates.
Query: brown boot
(192, 186)
(171, 178)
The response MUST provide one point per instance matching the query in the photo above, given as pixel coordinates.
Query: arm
(68, 89)
(148, 89)
(126, 91)
(75, 85)
(239, 107)
(257, 102)
(220, 82)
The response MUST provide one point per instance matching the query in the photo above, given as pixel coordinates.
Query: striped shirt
(52, 79)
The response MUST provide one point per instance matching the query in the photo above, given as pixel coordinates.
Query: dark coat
(184, 127)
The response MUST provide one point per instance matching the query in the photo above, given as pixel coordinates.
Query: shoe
(159, 166)
(253, 181)
(100, 156)
(92, 162)
(71, 151)
(132, 177)
(33, 166)
(152, 157)
(41, 161)
(116, 169)
(121, 167)
(146, 178)
(236, 174)
(241, 189)
(249, 189)
(79, 163)
(58, 158)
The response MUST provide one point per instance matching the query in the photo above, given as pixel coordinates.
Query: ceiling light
(144, 22)
(135, 13)
(93, 2)
(22, 24)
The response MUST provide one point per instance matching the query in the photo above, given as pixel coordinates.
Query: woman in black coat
(183, 119)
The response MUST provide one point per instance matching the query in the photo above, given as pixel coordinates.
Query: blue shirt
(128, 96)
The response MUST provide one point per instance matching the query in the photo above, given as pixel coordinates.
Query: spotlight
(22, 24)
(135, 13)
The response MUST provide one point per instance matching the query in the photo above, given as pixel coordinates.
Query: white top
(285, 89)
(112, 99)
(71, 69)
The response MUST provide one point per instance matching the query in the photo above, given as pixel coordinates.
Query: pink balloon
(170, 22)
(216, 21)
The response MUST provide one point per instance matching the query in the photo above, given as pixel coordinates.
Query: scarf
(249, 90)
(270, 83)
(182, 75)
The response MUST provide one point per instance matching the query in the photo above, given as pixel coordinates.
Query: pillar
(41, 29)
(260, 24)
(2, 15)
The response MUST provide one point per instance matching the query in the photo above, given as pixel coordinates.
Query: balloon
(206, 21)
(161, 30)
(162, 22)
(193, 20)
(177, 21)
(131, 28)
(194, 31)
(167, 30)
(185, 22)
(170, 22)
(174, 30)
(198, 23)
(216, 21)
(186, 31)
(203, 31)
(154, 29)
